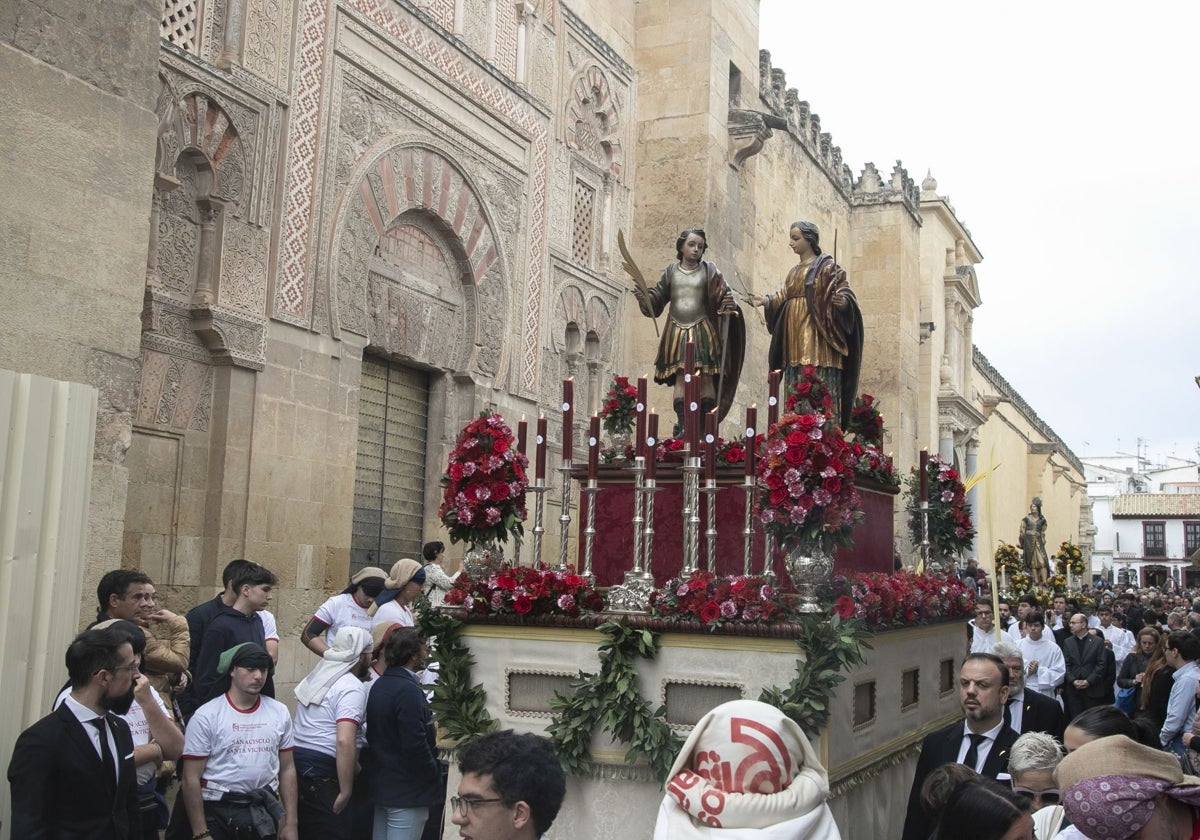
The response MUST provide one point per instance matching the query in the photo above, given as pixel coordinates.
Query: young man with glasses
(512, 787)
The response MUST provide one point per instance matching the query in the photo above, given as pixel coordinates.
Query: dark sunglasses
(1048, 797)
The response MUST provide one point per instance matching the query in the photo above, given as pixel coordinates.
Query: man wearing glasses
(511, 788)
(72, 773)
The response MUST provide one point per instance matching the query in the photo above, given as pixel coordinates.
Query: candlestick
(710, 445)
(639, 450)
(924, 476)
(710, 491)
(773, 398)
(568, 419)
(522, 430)
(589, 531)
(539, 445)
(693, 431)
(538, 488)
(593, 447)
(689, 375)
(651, 445)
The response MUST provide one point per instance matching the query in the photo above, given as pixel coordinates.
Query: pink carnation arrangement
(525, 590)
(714, 600)
(903, 599)
(484, 497)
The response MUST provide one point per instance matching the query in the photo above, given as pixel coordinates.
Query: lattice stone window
(180, 23)
(581, 240)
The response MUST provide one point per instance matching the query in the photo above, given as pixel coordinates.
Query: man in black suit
(1083, 685)
(72, 773)
(981, 741)
(1027, 711)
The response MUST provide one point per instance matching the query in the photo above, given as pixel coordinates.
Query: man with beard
(156, 738)
(1027, 711)
(330, 704)
(981, 741)
(72, 773)
(237, 757)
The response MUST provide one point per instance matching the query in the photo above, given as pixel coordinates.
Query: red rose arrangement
(873, 464)
(484, 496)
(950, 527)
(525, 590)
(620, 406)
(714, 600)
(810, 394)
(903, 599)
(866, 423)
(805, 494)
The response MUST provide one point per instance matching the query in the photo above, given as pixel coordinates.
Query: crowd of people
(152, 698)
(1079, 722)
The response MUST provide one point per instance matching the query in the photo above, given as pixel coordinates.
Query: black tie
(110, 766)
(972, 755)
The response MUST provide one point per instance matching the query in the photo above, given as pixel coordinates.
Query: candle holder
(649, 488)
(538, 488)
(589, 531)
(710, 490)
(691, 513)
(564, 520)
(633, 595)
(639, 472)
(768, 567)
(926, 564)
(747, 526)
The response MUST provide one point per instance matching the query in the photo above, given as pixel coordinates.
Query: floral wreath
(1069, 556)
(716, 600)
(950, 529)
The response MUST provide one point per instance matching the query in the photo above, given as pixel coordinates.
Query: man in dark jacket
(1083, 685)
(400, 767)
(72, 773)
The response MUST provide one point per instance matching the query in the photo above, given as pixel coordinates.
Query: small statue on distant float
(1033, 542)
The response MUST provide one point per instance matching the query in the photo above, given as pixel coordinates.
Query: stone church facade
(346, 228)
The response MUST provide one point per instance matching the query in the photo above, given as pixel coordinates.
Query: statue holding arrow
(703, 311)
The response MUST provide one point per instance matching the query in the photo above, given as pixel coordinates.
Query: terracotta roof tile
(1156, 504)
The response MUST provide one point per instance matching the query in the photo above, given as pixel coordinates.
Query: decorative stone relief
(262, 38)
(592, 121)
(244, 268)
(179, 234)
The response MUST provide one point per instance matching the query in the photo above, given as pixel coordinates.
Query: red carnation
(522, 604)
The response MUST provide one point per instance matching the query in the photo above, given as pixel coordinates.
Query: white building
(1147, 519)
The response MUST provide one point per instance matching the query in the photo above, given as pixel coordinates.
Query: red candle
(568, 420)
(694, 418)
(522, 432)
(689, 377)
(773, 398)
(640, 408)
(594, 447)
(710, 444)
(924, 476)
(751, 432)
(540, 445)
(651, 445)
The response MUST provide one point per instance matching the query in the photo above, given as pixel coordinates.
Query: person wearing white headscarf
(747, 772)
(330, 706)
(400, 588)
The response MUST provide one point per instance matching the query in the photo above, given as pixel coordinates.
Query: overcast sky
(1065, 135)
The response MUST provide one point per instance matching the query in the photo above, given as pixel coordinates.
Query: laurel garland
(831, 645)
(459, 708)
(611, 699)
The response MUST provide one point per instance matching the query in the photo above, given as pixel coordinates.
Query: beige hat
(367, 572)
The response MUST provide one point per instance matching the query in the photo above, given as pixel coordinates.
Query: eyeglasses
(1047, 797)
(133, 668)
(463, 804)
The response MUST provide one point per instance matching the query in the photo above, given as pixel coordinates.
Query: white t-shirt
(342, 611)
(242, 748)
(316, 724)
(270, 629)
(139, 727)
(393, 613)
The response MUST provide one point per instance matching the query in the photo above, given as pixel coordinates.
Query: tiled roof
(1156, 504)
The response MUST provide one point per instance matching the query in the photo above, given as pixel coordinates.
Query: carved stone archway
(408, 196)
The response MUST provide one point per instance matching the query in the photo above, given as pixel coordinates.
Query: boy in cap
(239, 778)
